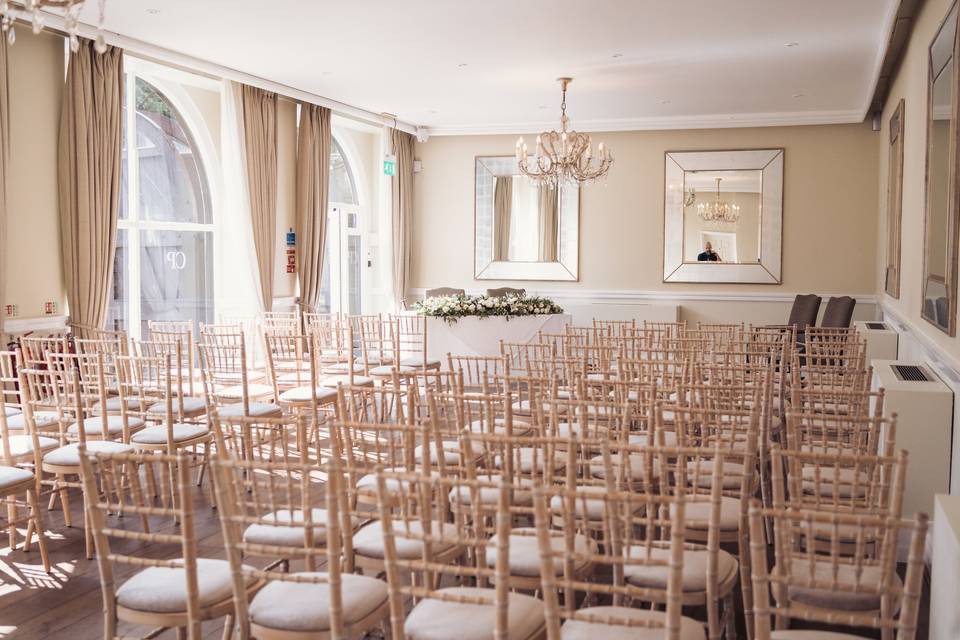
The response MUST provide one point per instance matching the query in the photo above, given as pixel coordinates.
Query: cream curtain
(91, 126)
(260, 150)
(4, 159)
(549, 218)
(402, 214)
(314, 143)
(502, 203)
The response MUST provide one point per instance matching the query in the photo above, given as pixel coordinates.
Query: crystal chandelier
(564, 156)
(36, 8)
(717, 211)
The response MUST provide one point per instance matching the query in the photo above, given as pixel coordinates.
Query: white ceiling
(679, 63)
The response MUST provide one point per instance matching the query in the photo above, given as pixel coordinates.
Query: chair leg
(11, 519)
(133, 477)
(88, 529)
(37, 520)
(64, 492)
(228, 624)
(729, 615)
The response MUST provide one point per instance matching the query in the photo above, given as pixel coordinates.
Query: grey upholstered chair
(505, 291)
(804, 311)
(440, 292)
(839, 312)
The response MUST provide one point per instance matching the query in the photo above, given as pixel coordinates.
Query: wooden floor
(67, 602)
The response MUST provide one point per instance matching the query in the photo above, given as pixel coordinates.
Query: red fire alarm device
(50, 308)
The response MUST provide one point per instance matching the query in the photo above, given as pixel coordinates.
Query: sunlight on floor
(17, 575)
(7, 631)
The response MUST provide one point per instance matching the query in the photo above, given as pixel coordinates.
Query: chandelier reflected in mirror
(718, 211)
(35, 10)
(563, 156)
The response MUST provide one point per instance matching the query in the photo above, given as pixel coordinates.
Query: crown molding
(717, 121)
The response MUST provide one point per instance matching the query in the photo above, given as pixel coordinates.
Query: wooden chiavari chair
(476, 372)
(18, 444)
(517, 356)
(640, 540)
(454, 555)
(321, 327)
(827, 432)
(34, 348)
(410, 342)
(186, 406)
(287, 359)
(347, 370)
(20, 456)
(280, 323)
(828, 586)
(226, 384)
(179, 592)
(267, 513)
(616, 328)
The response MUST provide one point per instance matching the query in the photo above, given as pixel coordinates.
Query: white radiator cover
(881, 343)
(924, 428)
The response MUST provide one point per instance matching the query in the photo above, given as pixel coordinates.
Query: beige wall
(911, 85)
(32, 241)
(830, 204)
(285, 284)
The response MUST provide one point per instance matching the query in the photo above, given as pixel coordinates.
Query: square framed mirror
(523, 231)
(894, 201)
(939, 306)
(723, 216)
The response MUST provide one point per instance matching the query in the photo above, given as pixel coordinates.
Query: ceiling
(479, 67)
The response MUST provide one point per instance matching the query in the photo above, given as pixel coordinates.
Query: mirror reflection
(939, 286)
(523, 231)
(722, 214)
(526, 220)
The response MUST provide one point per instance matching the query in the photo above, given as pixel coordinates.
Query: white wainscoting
(42, 324)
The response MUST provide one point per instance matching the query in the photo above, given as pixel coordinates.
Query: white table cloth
(475, 336)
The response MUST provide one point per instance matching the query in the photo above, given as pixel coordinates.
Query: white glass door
(342, 286)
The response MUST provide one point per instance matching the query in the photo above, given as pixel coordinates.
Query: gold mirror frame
(894, 201)
(949, 281)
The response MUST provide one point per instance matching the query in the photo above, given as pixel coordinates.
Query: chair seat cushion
(181, 433)
(490, 495)
(731, 475)
(530, 459)
(518, 427)
(826, 598)
(697, 512)
(522, 407)
(164, 589)
(637, 467)
(93, 427)
(357, 381)
(114, 403)
(450, 448)
(253, 391)
(433, 619)
(344, 367)
(42, 419)
(305, 606)
(368, 541)
(285, 535)
(418, 363)
(256, 410)
(690, 629)
(594, 508)
(306, 394)
(23, 445)
(69, 455)
(525, 552)
(695, 563)
(669, 438)
(190, 406)
(386, 370)
(10, 476)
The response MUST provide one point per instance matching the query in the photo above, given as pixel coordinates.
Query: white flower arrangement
(450, 308)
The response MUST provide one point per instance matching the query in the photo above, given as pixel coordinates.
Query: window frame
(170, 84)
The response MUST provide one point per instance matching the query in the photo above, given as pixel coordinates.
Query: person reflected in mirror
(708, 254)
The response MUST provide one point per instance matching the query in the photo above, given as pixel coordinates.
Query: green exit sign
(389, 168)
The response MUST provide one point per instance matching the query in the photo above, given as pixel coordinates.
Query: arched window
(341, 286)
(163, 267)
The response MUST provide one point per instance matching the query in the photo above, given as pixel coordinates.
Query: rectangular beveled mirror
(894, 201)
(723, 216)
(523, 231)
(940, 215)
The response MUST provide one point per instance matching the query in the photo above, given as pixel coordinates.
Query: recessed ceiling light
(462, 65)
(664, 102)
(153, 12)
(326, 73)
(617, 55)
(432, 111)
(792, 44)
(543, 106)
(797, 95)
